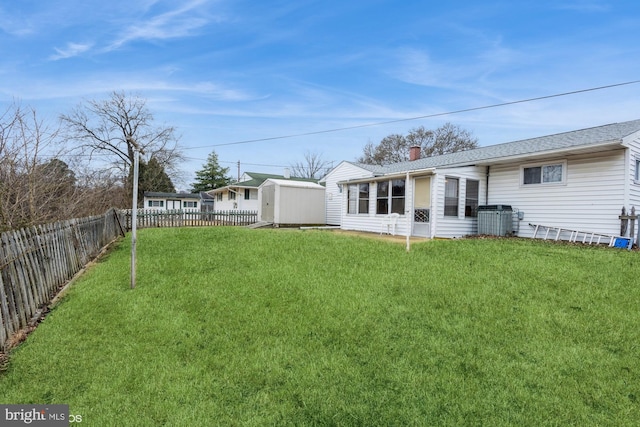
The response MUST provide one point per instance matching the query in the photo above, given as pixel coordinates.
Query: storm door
(421, 206)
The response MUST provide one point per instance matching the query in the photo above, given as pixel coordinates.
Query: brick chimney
(414, 152)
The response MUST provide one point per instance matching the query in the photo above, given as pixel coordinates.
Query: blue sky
(228, 71)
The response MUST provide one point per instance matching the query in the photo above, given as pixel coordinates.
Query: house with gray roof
(576, 180)
(171, 201)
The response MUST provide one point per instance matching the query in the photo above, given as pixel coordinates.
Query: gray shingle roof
(611, 133)
(171, 195)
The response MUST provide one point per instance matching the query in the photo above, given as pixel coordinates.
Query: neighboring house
(578, 180)
(243, 195)
(288, 202)
(171, 201)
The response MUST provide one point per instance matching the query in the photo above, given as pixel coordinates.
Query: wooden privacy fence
(36, 262)
(190, 218)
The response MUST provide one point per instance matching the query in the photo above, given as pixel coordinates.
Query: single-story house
(577, 180)
(288, 202)
(171, 201)
(243, 195)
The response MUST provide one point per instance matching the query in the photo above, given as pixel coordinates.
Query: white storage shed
(284, 202)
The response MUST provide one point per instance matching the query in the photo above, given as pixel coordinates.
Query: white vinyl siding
(373, 221)
(634, 178)
(590, 200)
(456, 226)
(225, 201)
(171, 203)
(334, 202)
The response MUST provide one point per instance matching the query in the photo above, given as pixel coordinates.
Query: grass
(232, 326)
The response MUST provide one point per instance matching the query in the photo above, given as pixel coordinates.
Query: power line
(248, 164)
(427, 116)
(373, 124)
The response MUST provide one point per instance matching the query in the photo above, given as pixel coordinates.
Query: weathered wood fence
(36, 262)
(190, 218)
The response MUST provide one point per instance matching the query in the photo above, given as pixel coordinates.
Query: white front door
(422, 207)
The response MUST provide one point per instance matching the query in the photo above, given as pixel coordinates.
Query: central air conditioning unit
(495, 220)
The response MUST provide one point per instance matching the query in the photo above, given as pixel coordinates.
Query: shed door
(268, 202)
(421, 206)
(173, 204)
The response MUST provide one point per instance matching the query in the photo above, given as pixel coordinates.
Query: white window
(189, 204)
(451, 186)
(390, 197)
(156, 203)
(637, 176)
(552, 173)
(250, 194)
(471, 198)
(358, 197)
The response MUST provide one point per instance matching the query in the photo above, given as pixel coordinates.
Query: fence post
(632, 222)
(623, 222)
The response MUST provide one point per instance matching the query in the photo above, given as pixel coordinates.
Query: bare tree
(112, 126)
(312, 167)
(37, 186)
(391, 149)
(33, 181)
(448, 138)
(100, 190)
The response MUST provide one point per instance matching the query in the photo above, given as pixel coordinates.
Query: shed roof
(289, 183)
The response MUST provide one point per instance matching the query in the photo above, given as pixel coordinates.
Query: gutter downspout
(486, 187)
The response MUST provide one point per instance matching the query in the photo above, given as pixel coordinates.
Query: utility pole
(238, 170)
(134, 210)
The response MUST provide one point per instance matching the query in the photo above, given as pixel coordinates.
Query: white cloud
(417, 67)
(71, 50)
(14, 25)
(181, 22)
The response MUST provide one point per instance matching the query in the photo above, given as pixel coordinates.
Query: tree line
(83, 165)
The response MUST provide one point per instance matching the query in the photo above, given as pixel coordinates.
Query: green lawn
(230, 326)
